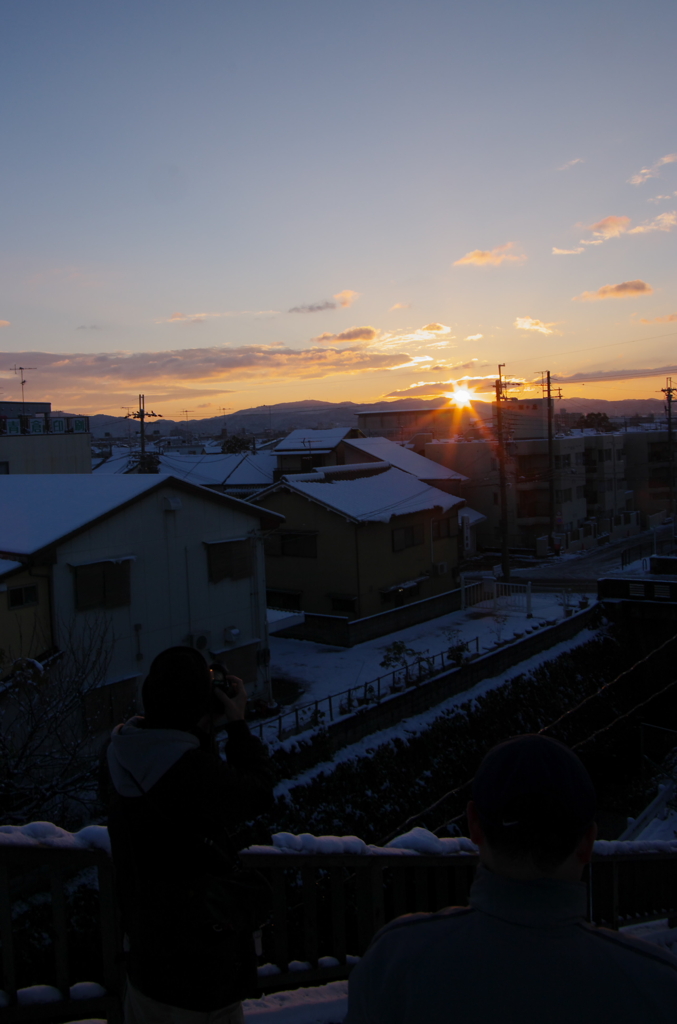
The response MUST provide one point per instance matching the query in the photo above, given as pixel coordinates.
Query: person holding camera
(190, 959)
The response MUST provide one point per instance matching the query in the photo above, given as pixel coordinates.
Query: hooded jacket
(520, 953)
(171, 792)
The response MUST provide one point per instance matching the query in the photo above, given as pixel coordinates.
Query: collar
(541, 903)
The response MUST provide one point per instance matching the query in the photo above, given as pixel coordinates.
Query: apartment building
(34, 440)
(649, 470)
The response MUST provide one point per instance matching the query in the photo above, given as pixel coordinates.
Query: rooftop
(404, 458)
(377, 497)
(312, 440)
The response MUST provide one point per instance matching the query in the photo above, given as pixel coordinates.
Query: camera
(218, 673)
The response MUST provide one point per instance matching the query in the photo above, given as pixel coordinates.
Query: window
(22, 597)
(102, 585)
(407, 537)
(620, 453)
(295, 545)
(562, 496)
(229, 560)
(4, 468)
(580, 458)
(558, 462)
(286, 600)
(580, 491)
(566, 462)
(495, 498)
(441, 528)
(344, 604)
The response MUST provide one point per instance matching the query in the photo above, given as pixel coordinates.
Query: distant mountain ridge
(313, 414)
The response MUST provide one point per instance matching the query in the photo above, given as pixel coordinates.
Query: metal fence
(496, 595)
(320, 712)
(656, 546)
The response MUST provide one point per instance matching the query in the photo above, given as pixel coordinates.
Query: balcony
(326, 905)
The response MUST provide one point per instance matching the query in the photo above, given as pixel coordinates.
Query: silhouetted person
(174, 796)
(522, 951)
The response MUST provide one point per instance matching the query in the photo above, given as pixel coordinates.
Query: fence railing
(325, 906)
(319, 712)
(657, 546)
(488, 590)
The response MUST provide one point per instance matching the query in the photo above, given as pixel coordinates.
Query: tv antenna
(20, 370)
(185, 413)
(142, 414)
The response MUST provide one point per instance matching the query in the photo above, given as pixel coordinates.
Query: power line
(459, 789)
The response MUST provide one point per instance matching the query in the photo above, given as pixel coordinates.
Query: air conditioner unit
(441, 568)
(199, 639)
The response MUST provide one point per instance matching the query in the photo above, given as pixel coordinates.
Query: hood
(138, 758)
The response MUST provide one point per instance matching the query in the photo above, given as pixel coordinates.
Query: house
(151, 560)
(304, 450)
(240, 475)
(359, 539)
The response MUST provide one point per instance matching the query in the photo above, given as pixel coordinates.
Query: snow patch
(324, 1004)
(44, 833)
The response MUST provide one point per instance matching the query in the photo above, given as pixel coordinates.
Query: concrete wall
(46, 453)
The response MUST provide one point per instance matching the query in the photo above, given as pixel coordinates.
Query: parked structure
(34, 440)
(359, 539)
(155, 560)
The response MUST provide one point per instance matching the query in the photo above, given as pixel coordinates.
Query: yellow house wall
(25, 632)
(356, 560)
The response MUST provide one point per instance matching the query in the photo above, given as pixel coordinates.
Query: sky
(231, 203)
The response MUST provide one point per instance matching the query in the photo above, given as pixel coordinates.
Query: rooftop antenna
(142, 414)
(20, 370)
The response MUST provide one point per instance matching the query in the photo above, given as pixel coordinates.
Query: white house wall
(171, 595)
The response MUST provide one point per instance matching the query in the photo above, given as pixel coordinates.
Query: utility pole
(142, 414)
(669, 391)
(551, 467)
(503, 487)
(20, 370)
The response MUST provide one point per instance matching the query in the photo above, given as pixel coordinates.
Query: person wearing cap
(173, 797)
(522, 950)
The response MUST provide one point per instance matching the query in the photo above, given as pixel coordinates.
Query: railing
(655, 546)
(317, 713)
(488, 590)
(47, 873)
(325, 906)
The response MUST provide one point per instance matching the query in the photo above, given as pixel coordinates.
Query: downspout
(357, 573)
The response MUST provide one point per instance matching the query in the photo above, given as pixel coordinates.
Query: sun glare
(461, 397)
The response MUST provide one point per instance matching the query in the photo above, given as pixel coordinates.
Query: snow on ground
(324, 1004)
(409, 727)
(665, 829)
(322, 670)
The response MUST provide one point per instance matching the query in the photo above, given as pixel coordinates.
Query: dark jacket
(521, 953)
(171, 792)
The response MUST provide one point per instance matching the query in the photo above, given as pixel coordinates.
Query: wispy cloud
(342, 300)
(609, 227)
(527, 323)
(199, 318)
(400, 305)
(601, 375)
(490, 257)
(473, 337)
(571, 163)
(566, 252)
(654, 171)
(663, 222)
(435, 388)
(352, 334)
(5, 323)
(669, 319)
(659, 199)
(592, 241)
(88, 327)
(624, 290)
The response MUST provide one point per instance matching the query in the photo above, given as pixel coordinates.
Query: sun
(461, 397)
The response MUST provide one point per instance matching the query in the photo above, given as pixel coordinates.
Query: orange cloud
(473, 337)
(610, 227)
(565, 252)
(652, 172)
(663, 222)
(527, 323)
(490, 257)
(199, 318)
(4, 323)
(401, 305)
(352, 334)
(624, 290)
(669, 319)
(346, 298)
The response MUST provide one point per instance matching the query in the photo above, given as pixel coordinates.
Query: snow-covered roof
(120, 463)
(403, 458)
(7, 566)
(39, 509)
(474, 517)
(373, 498)
(243, 470)
(312, 440)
